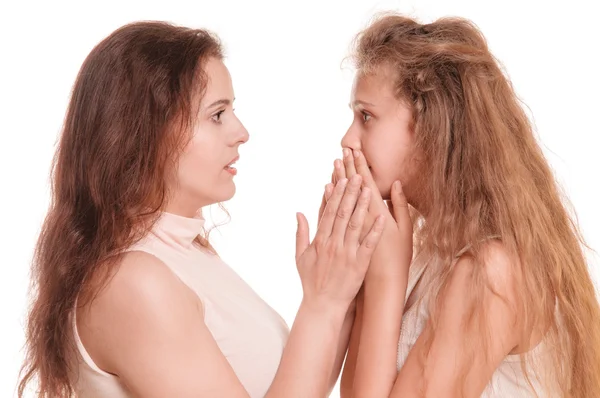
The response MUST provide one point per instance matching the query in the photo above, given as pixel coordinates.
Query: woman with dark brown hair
(130, 299)
(497, 300)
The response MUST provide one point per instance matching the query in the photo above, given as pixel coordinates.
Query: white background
(292, 94)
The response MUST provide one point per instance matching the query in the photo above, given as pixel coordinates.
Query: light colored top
(250, 334)
(508, 381)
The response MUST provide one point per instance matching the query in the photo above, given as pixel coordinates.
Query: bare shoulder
(141, 297)
(491, 287)
(143, 279)
(477, 325)
(501, 270)
(141, 282)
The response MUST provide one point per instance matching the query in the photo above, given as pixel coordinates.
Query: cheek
(201, 172)
(383, 159)
(388, 159)
(196, 165)
(195, 156)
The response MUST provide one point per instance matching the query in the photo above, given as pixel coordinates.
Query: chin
(227, 193)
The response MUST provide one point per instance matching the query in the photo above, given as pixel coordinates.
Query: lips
(233, 161)
(229, 168)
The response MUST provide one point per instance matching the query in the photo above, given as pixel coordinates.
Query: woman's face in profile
(381, 130)
(205, 169)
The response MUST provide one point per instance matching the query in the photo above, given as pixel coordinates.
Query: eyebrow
(220, 102)
(359, 102)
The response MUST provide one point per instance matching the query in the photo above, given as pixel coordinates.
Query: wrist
(324, 310)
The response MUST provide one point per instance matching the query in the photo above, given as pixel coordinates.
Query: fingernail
(346, 152)
(356, 153)
(398, 186)
(343, 181)
(337, 163)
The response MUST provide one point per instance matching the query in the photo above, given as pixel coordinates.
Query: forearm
(342, 345)
(309, 356)
(383, 307)
(346, 385)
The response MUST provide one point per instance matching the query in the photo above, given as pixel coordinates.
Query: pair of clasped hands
(355, 227)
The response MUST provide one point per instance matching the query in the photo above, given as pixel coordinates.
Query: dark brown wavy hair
(129, 117)
(486, 175)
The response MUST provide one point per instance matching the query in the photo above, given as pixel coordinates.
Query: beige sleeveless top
(508, 381)
(250, 334)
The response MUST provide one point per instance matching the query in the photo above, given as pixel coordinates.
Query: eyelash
(217, 116)
(365, 115)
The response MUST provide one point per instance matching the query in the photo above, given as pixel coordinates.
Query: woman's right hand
(396, 248)
(332, 267)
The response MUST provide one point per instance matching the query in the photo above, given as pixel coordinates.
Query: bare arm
(464, 353)
(342, 349)
(376, 370)
(349, 321)
(148, 328)
(371, 369)
(347, 382)
(459, 363)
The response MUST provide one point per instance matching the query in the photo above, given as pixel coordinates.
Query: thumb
(399, 202)
(302, 239)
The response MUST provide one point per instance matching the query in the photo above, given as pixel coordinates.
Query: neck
(184, 207)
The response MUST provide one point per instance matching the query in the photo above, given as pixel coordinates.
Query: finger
(339, 170)
(346, 208)
(349, 163)
(355, 225)
(362, 168)
(328, 191)
(333, 175)
(326, 196)
(302, 237)
(400, 206)
(367, 247)
(330, 212)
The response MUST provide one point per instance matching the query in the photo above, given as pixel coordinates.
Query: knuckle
(369, 243)
(330, 211)
(353, 189)
(364, 199)
(319, 244)
(354, 225)
(342, 213)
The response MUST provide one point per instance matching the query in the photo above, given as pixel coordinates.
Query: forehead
(219, 80)
(377, 83)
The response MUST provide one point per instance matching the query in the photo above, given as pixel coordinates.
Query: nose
(351, 139)
(242, 135)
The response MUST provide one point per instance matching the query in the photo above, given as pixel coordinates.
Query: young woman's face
(204, 175)
(381, 130)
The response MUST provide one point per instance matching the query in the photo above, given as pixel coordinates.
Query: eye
(217, 116)
(365, 116)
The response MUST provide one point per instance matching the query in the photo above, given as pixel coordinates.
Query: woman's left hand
(396, 244)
